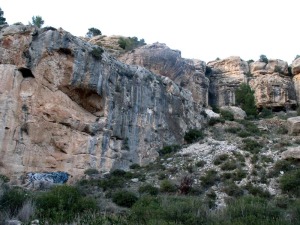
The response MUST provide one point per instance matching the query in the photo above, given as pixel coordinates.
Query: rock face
(291, 153)
(294, 125)
(164, 61)
(296, 79)
(225, 77)
(67, 106)
(270, 81)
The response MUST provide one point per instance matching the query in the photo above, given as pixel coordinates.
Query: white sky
(201, 29)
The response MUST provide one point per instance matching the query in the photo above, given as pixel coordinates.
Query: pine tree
(2, 19)
(37, 21)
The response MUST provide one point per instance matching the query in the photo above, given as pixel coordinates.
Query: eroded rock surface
(66, 106)
(225, 77)
(160, 59)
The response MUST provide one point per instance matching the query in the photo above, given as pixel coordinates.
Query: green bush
(251, 146)
(229, 165)
(263, 58)
(169, 149)
(290, 182)
(13, 199)
(169, 210)
(97, 53)
(245, 99)
(148, 189)
(219, 159)
(200, 163)
(63, 203)
(124, 198)
(112, 182)
(266, 113)
(212, 121)
(167, 186)
(134, 166)
(130, 43)
(209, 179)
(193, 136)
(257, 191)
(4, 178)
(227, 115)
(232, 189)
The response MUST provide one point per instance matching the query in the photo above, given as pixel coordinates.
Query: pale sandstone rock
(225, 77)
(274, 91)
(293, 125)
(211, 114)
(237, 112)
(296, 66)
(291, 153)
(63, 108)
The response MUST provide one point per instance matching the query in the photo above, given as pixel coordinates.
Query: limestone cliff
(160, 59)
(67, 105)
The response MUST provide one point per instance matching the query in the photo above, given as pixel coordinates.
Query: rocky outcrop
(274, 91)
(294, 125)
(291, 153)
(110, 43)
(225, 77)
(295, 68)
(65, 105)
(237, 112)
(162, 60)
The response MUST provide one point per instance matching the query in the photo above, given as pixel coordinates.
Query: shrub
(97, 53)
(229, 165)
(13, 199)
(130, 43)
(169, 149)
(148, 189)
(232, 189)
(227, 115)
(112, 182)
(193, 136)
(290, 182)
(124, 198)
(92, 32)
(4, 178)
(212, 121)
(245, 99)
(266, 113)
(220, 159)
(200, 163)
(64, 200)
(209, 179)
(251, 146)
(91, 171)
(134, 166)
(167, 186)
(257, 191)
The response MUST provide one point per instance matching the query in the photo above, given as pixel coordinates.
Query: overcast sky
(201, 29)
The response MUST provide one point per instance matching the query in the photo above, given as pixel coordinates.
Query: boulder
(296, 66)
(237, 112)
(293, 125)
(211, 114)
(291, 153)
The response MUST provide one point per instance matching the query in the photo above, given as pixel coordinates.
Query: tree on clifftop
(2, 19)
(37, 21)
(93, 32)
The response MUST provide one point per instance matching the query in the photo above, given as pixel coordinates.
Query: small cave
(65, 51)
(88, 99)
(26, 72)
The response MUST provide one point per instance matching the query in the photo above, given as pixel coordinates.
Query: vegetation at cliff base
(245, 99)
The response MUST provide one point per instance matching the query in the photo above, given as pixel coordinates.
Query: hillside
(144, 129)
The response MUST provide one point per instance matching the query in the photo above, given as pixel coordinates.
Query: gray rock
(294, 125)
(237, 112)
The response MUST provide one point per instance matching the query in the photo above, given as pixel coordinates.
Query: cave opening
(26, 72)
